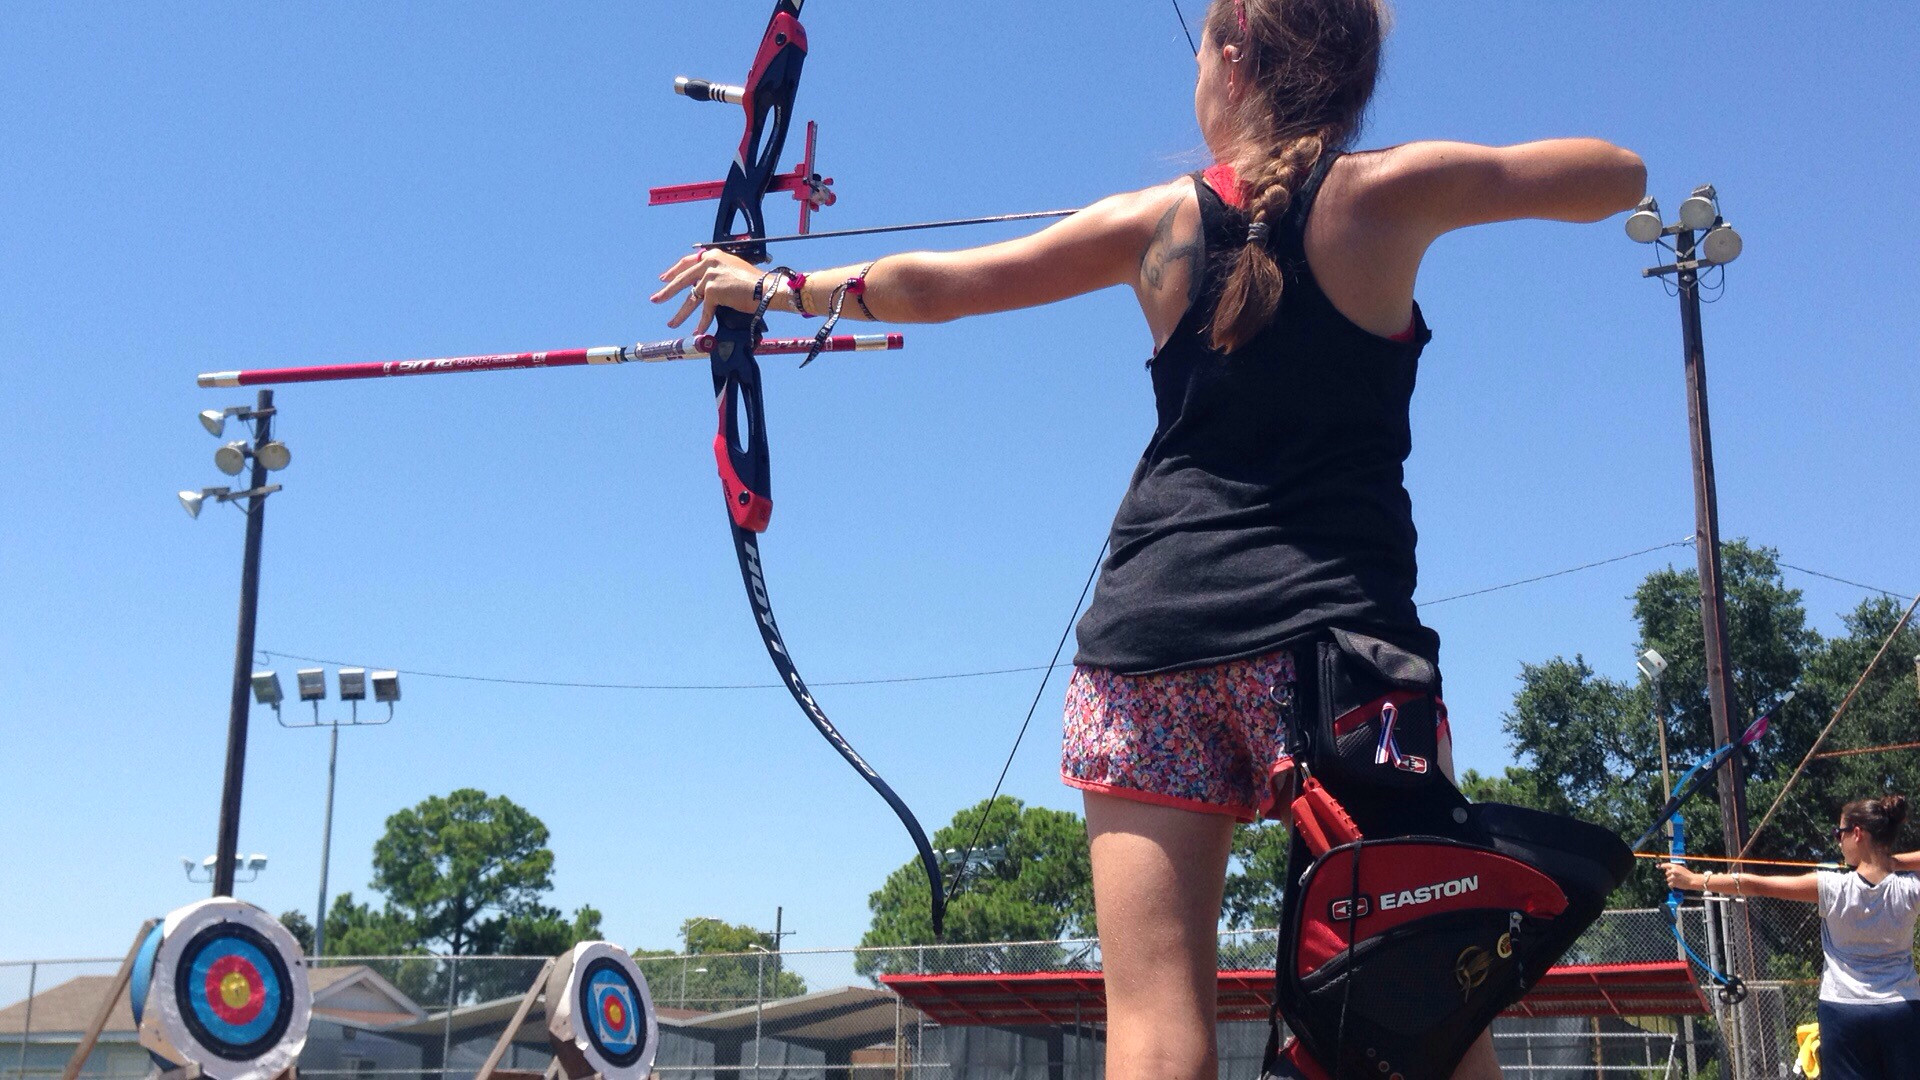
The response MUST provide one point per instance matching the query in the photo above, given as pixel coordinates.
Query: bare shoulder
(1169, 274)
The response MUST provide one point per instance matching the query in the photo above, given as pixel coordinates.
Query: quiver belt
(1410, 917)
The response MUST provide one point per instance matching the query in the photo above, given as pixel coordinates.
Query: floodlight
(266, 688)
(1701, 208)
(255, 862)
(1651, 664)
(208, 862)
(1722, 244)
(187, 865)
(313, 683)
(214, 421)
(1643, 225)
(190, 502)
(231, 458)
(353, 684)
(275, 456)
(386, 686)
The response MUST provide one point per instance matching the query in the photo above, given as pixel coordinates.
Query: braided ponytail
(1310, 66)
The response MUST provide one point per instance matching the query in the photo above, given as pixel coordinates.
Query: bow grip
(740, 445)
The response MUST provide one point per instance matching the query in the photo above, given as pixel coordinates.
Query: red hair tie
(1240, 12)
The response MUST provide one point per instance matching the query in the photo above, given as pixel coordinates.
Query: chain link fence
(822, 1014)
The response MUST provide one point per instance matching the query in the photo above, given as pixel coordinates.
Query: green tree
(467, 872)
(364, 930)
(721, 966)
(1028, 880)
(300, 927)
(1254, 877)
(1589, 746)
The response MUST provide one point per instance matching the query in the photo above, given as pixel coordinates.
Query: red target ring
(614, 1013)
(236, 991)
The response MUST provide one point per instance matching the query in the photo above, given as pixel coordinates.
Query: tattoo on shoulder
(1167, 251)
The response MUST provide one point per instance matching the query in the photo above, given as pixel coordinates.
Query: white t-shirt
(1867, 933)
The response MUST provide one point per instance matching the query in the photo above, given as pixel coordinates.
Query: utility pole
(229, 843)
(1702, 240)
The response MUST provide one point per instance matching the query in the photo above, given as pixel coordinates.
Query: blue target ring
(234, 991)
(614, 1017)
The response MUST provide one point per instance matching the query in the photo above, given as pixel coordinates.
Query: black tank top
(1270, 501)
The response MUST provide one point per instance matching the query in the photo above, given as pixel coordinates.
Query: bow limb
(740, 444)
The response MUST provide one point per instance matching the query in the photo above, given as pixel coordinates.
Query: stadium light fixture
(1644, 225)
(1651, 664)
(313, 683)
(386, 686)
(266, 688)
(353, 684)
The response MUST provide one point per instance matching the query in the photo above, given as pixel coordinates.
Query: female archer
(1278, 289)
(1869, 993)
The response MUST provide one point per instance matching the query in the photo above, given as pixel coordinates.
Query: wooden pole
(513, 1026)
(120, 979)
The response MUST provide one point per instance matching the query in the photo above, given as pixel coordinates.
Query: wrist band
(854, 286)
(858, 287)
(797, 283)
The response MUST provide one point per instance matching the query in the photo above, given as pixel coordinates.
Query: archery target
(230, 990)
(600, 1014)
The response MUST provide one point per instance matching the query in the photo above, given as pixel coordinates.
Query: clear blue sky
(193, 187)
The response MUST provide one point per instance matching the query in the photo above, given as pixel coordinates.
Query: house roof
(354, 995)
(69, 1007)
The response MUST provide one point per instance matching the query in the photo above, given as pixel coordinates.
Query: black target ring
(233, 938)
(601, 975)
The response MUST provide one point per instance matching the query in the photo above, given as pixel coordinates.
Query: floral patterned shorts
(1206, 739)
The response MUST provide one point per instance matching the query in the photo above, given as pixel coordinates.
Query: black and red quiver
(1410, 917)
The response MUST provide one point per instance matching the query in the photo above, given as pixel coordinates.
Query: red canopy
(1664, 988)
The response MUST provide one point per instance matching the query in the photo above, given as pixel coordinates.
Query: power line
(983, 673)
(1688, 542)
(1844, 581)
(571, 685)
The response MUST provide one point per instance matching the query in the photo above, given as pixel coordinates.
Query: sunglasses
(1843, 830)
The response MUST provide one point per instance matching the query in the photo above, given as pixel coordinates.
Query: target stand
(218, 991)
(600, 1018)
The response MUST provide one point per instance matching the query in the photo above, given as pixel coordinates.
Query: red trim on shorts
(1245, 815)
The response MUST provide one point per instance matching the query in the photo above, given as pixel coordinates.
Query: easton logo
(1427, 894)
(1344, 909)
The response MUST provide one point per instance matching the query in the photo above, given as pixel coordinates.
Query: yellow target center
(615, 1014)
(235, 990)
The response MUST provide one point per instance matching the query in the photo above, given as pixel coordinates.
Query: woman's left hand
(1679, 877)
(711, 279)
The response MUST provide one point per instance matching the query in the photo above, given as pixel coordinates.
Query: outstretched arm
(1802, 887)
(1104, 245)
(1441, 186)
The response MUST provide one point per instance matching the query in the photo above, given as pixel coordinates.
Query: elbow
(1631, 177)
(917, 291)
(1620, 181)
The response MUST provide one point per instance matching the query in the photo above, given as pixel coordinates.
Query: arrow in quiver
(599, 1013)
(222, 986)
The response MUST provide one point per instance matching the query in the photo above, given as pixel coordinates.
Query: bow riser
(740, 444)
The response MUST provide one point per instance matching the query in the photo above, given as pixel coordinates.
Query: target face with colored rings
(611, 1010)
(601, 1017)
(234, 996)
(230, 992)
